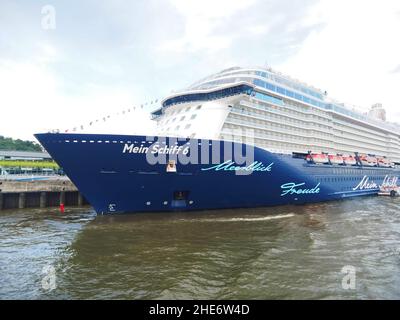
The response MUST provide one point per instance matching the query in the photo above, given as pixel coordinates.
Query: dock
(39, 194)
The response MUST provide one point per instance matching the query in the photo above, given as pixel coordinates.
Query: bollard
(80, 200)
(43, 199)
(1, 201)
(21, 200)
(62, 197)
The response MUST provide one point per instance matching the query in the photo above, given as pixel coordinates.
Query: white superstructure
(275, 112)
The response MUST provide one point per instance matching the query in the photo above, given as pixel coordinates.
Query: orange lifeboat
(384, 162)
(350, 160)
(368, 161)
(318, 158)
(335, 159)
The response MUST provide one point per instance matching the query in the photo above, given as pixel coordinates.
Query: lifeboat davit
(368, 161)
(335, 159)
(350, 160)
(318, 158)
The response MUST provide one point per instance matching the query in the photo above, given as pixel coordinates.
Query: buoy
(62, 207)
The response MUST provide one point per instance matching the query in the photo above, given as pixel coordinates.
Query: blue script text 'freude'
(293, 188)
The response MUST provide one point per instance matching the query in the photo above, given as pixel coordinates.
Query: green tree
(18, 145)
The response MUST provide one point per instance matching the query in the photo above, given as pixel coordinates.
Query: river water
(337, 250)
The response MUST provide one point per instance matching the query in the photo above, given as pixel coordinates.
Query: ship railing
(295, 134)
(296, 125)
(305, 118)
(306, 136)
(316, 121)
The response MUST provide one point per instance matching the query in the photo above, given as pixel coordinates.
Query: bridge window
(240, 89)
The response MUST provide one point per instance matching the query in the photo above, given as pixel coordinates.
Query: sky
(65, 64)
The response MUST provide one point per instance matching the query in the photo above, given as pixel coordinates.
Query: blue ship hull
(114, 174)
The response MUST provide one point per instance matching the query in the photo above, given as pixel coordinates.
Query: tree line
(18, 145)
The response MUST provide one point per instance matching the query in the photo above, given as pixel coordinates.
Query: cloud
(70, 76)
(396, 69)
(220, 34)
(258, 29)
(32, 101)
(351, 56)
(202, 18)
(105, 55)
(215, 27)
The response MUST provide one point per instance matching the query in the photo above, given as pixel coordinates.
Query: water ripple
(289, 252)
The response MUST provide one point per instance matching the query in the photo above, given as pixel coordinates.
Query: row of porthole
(148, 203)
(107, 141)
(343, 179)
(114, 141)
(101, 141)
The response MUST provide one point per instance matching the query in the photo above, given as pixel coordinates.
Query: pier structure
(39, 194)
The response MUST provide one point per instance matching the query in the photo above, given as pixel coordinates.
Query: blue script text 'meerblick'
(229, 165)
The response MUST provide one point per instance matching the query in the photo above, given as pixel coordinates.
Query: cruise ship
(243, 137)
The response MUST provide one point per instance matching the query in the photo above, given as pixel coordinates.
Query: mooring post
(1, 201)
(21, 200)
(62, 197)
(80, 200)
(43, 199)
